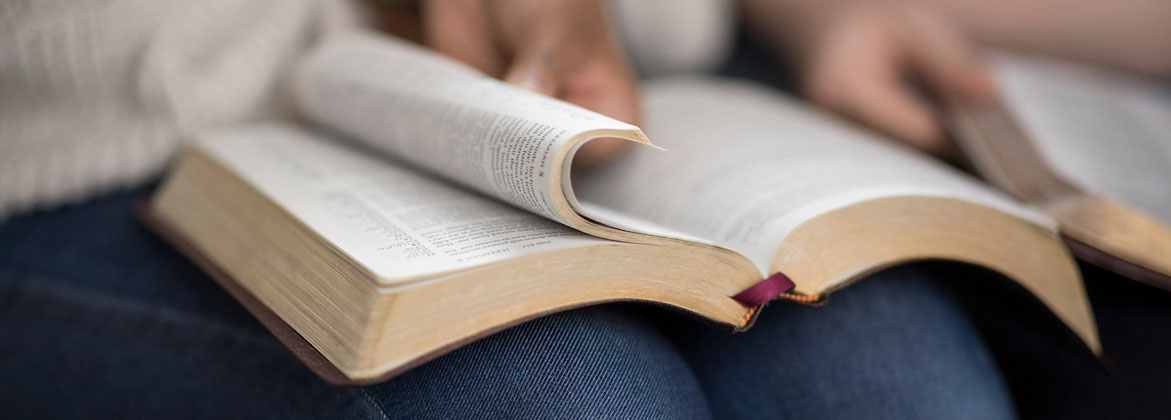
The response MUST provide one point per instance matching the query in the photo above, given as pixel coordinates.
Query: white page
(744, 166)
(398, 223)
(443, 116)
(1107, 133)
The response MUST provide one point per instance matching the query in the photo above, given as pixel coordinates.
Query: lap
(101, 313)
(97, 312)
(894, 345)
(1051, 377)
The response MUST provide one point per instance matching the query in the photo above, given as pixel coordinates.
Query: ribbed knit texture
(99, 94)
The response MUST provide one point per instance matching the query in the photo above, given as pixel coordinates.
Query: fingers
(562, 49)
(537, 68)
(940, 54)
(607, 87)
(557, 37)
(569, 53)
(858, 72)
(462, 30)
(894, 110)
(603, 84)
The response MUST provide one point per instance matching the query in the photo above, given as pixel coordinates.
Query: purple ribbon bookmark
(765, 290)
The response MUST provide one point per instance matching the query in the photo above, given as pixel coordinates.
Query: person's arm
(1129, 35)
(868, 59)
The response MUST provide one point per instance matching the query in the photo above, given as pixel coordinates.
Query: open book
(423, 205)
(1090, 148)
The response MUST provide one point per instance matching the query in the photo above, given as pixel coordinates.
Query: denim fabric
(894, 345)
(100, 319)
(601, 362)
(74, 353)
(1052, 379)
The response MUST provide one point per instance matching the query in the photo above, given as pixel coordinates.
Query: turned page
(1105, 132)
(745, 165)
(398, 223)
(448, 118)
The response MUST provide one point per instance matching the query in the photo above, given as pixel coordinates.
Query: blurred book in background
(1090, 148)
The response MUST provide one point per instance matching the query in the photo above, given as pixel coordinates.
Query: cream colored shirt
(96, 95)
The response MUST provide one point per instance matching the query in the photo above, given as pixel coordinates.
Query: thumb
(536, 68)
(946, 61)
(461, 30)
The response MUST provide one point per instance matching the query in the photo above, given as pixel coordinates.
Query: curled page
(449, 119)
(402, 225)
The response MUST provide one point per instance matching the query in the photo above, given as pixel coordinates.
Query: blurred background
(97, 97)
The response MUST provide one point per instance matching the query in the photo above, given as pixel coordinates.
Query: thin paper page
(1105, 132)
(744, 166)
(396, 222)
(443, 116)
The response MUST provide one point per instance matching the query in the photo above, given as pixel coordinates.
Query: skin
(561, 48)
(882, 62)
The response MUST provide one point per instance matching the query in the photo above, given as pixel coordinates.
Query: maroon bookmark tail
(764, 291)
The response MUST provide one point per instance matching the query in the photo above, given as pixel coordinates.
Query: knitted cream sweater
(99, 94)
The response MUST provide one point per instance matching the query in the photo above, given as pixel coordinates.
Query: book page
(1107, 133)
(398, 223)
(447, 118)
(745, 165)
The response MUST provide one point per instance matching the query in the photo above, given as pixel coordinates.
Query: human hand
(881, 64)
(560, 48)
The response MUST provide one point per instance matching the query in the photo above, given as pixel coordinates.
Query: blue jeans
(98, 318)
